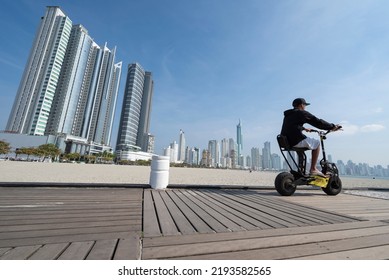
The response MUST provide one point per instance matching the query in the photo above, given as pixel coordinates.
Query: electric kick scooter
(287, 182)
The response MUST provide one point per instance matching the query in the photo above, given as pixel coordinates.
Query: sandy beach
(39, 172)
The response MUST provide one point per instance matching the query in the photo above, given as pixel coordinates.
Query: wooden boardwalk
(188, 223)
(70, 223)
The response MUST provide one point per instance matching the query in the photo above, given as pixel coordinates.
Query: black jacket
(294, 119)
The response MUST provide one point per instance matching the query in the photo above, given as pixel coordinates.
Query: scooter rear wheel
(334, 186)
(284, 184)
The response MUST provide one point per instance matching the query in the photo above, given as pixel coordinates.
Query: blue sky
(217, 61)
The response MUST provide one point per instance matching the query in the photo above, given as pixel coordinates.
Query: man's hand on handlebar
(337, 127)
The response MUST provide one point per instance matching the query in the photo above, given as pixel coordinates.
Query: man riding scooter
(292, 129)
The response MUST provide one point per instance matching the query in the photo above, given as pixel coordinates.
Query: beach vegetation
(43, 152)
(90, 158)
(72, 157)
(48, 151)
(138, 162)
(5, 147)
(105, 157)
(28, 151)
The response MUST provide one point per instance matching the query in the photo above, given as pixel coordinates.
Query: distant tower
(255, 159)
(214, 153)
(181, 147)
(239, 143)
(266, 156)
(174, 152)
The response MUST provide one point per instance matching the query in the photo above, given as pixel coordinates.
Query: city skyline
(209, 73)
(223, 154)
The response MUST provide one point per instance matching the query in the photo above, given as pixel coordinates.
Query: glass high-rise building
(69, 86)
(34, 99)
(100, 107)
(135, 115)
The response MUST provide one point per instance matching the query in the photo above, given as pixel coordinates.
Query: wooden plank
(346, 204)
(195, 220)
(188, 239)
(128, 248)
(256, 243)
(49, 251)
(211, 221)
(277, 211)
(312, 213)
(49, 221)
(273, 213)
(166, 222)
(218, 222)
(77, 251)
(214, 224)
(238, 218)
(4, 250)
(46, 217)
(252, 214)
(150, 220)
(182, 223)
(20, 253)
(41, 218)
(372, 253)
(71, 208)
(316, 249)
(339, 246)
(68, 231)
(75, 235)
(102, 250)
(68, 225)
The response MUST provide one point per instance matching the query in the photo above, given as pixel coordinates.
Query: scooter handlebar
(336, 128)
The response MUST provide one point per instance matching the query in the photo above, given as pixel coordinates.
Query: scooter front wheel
(284, 184)
(334, 186)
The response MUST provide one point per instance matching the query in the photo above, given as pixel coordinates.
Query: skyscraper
(214, 153)
(144, 139)
(135, 116)
(239, 143)
(102, 97)
(71, 83)
(255, 159)
(33, 102)
(266, 156)
(69, 86)
(181, 147)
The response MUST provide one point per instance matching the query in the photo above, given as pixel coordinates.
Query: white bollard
(159, 175)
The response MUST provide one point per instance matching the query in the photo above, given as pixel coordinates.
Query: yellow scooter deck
(319, 181)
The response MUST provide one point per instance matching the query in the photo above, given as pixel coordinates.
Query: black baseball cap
(299, 101)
